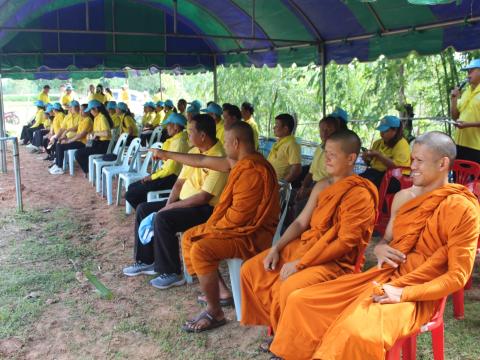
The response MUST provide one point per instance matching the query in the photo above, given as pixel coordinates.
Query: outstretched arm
(221, 164)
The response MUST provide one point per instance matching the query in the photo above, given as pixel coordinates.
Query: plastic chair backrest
(285, 192)
(131, 156)
(120, 145)
(466, 173)
(115, 133)
(146, 162)
(156, 135)
(437, 318)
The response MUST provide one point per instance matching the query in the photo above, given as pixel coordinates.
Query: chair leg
(109, 188)
(64, 167)
(71, 161)
(91, 171)
(438, 343)
(468, 285)
(458, 305)
(234, 266)
(186, 275)
(119, 190)
(395, 351)
(98, 178)
(409, 348)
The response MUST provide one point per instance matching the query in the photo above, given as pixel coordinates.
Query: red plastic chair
(386, 199)
(408, 346)
(466, 173)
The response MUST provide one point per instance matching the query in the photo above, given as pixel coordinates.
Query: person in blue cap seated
(127, 122)
(55, 130)
(150, 121)
(197, 104)
(77, 128)
(182, 106)
(191, 202)
(40, 137)
(35, 124)
(112, 110)
(164, 178)
(68, 96)
(465, 110)
(160, 114)
(168, 109)
(340, 114)
(215, 111)
(100, 136)
(390, 151)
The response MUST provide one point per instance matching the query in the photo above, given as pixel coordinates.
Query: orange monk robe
(341, 223)
(337, 319)
(242, 223)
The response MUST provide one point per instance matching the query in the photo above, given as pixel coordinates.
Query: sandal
(223, 302)
(265, 345)
(213, 323)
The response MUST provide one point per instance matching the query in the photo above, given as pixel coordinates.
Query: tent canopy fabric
(107, 35)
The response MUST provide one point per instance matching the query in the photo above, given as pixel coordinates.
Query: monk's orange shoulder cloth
(249, 201)
(345, 215)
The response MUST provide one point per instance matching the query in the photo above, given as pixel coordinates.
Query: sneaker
(53, 168)
(56, 171)
(139, 268)
(32, 149)
(166, 281)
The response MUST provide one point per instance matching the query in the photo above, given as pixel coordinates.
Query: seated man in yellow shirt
(247, 115)
(166, 176)
(285, 156)
(391, 151)
(215, 112)
(150, 121)
(35, 124)
(112, 110)
(191, 202)
(466, 111)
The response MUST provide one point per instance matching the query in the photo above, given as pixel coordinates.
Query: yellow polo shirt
(99, 97)
(220, 131)
(71, 121)
(201, 179)
(66, 99)
(38, 118)
(108, 97)
(256, 132)
(85, 124)
(285, 153)
(100, 124)
(399, 154)
(124, 96)
(57, 122)
(317, 167)
(117, 120)
(147, 118)
(177, 143)
(128, 123)
(43, 97)
(469, 108)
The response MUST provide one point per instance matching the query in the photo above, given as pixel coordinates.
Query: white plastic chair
(91, 172)
(127, 178)
(69, 161)
(129, 164)
(156, 135)
(160, 195)
(234, 265)
(99, 163)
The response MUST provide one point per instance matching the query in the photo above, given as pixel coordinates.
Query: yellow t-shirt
(399, 154)
(108, 97)
(220, 131)
(127, 123)
(98, 97)
(117, 120)
(85, 124)
(71, 121)
(124, 96)
(317, 167)
(47, 123)
(66, 99)
(469, 108)
(57, 122)
(157, 119)
(177, 143)
(285, 153)
(38, 118)
(147, 118)
(256, 132)
(43, 97)
(100, 124)
(202, 179)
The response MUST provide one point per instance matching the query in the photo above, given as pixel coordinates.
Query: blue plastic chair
(113, 141)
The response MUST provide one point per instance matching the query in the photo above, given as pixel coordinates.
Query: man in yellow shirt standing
(215, 112)
(67, 98)
(191, 202)
(165, 177)
(285, 156)
(43, 96)
(466, 111)
(247, 115)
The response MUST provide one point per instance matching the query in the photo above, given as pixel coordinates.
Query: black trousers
(145, 136)
(38, 135)
(98, 147)
(27, 133)
(137, 192)
(61, 148)
(164, 250)
(466, 153)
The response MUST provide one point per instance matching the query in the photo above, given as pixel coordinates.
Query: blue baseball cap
(474, 64)
(122, 106)
(193, 109)
(150, 104)
(160, 103)
(49, 108)
(169, 103)
(340, 113)
(197, 104)
(68, 88)
(57, 106)
(39, 103)
(92, 104)
(213, 108)
(111, 105)
(388, 122)
(176, 119)
(74, 103)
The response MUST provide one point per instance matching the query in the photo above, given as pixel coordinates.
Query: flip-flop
(223, 302)
(213, 323)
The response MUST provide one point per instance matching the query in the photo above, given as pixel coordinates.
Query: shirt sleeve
(214, 182)
(401, 153)
(294, 154)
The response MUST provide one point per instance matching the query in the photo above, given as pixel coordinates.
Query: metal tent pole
(3, 147)
(321, 52)
(215, 89)
(160, 80)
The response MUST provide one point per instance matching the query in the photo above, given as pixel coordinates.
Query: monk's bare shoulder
(322, 185)
(404, 196)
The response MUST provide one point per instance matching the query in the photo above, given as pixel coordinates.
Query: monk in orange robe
(242, 223)
(427, 253)
(324, 242)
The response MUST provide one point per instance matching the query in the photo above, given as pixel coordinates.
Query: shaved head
(440, 143)
(349, 141)
(243, 132)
